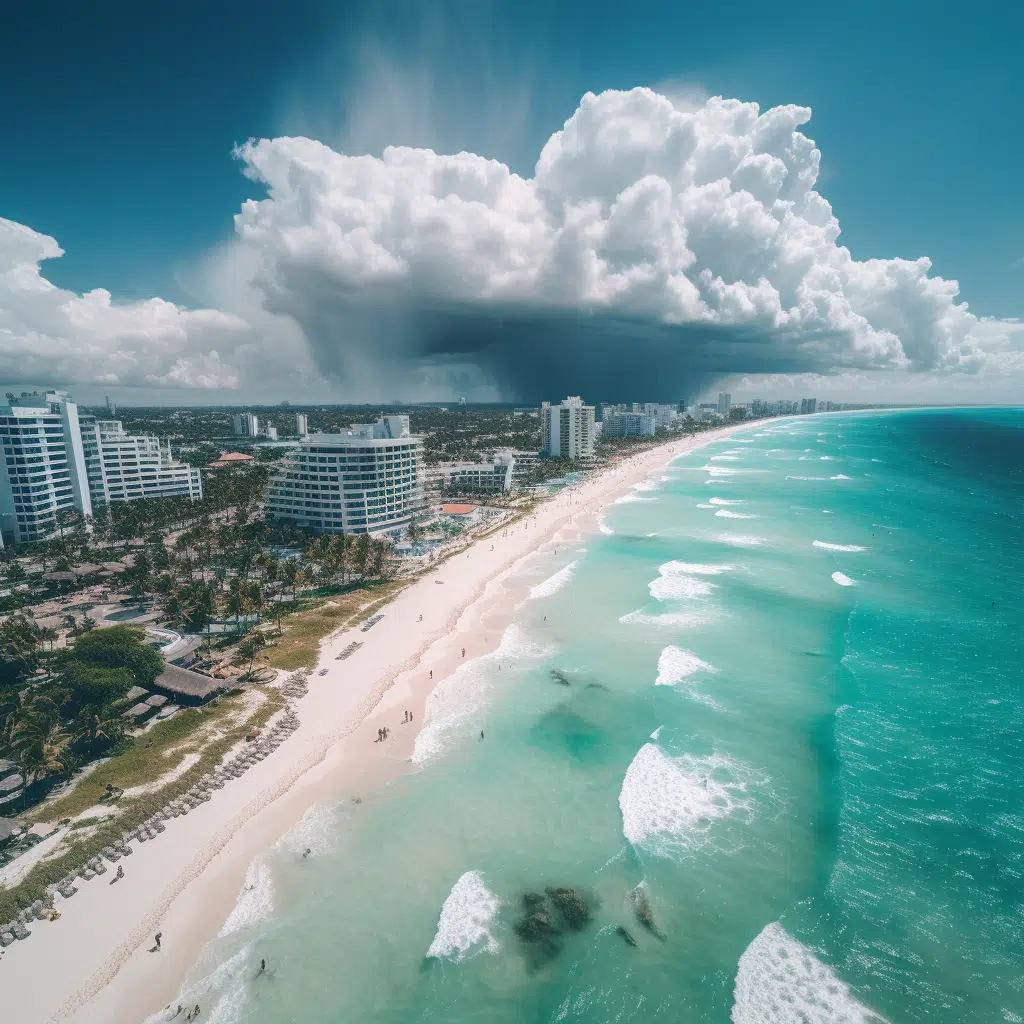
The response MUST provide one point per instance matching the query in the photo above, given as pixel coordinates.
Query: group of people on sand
(193, 1014)
(382, 735)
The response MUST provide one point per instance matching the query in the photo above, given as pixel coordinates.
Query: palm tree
(37, 740)
(251, 646)
(95, 729)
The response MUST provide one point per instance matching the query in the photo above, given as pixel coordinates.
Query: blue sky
(119, 118)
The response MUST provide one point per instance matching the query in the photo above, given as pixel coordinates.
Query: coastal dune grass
(298, 646)
(133, 811)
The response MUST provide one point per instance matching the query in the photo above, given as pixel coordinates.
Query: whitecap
(463, 928)
(676, 664)
(839, 476)
(726, 501)
(705, 506)
(255, 900)
(724, 513)
(837, 547)
(694, 568)
(676, 587)
(780, 981)
(554, 583)
(843, 580)
(724, 458)
(740, 540)
(314, 832)
(684, 619)
(826, 458)
(670, 804)
(455, 704)
(806, 477)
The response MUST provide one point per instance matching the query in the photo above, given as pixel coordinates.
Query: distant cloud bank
(655, 247)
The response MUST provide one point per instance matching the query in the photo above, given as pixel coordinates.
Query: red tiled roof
(235, 457)
(457, 509)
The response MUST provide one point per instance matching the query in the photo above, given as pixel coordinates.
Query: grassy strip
(299, 643)
(130, 814)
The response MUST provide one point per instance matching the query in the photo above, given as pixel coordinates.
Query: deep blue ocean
(768, 724)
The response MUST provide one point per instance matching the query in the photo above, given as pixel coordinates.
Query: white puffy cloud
(649, 213)
(49, 334)
(659, 243)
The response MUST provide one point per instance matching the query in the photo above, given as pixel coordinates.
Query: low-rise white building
(492, 476)
(366, 479)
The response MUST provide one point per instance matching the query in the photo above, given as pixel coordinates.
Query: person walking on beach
(158, 937)
(119, 875)
(463, 651)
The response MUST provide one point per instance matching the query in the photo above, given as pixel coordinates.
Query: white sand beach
(94, 965)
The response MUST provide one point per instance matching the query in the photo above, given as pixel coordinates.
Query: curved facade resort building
(363, 480)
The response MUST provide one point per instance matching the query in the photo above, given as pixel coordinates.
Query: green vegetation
(134, 811)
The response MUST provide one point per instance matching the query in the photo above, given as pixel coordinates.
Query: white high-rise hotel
(55, 460)
(568, 429)
(363, 480)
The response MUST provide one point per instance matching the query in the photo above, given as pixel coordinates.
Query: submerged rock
(536, 925)
(644, 914)
(557, 677)
(571, 906)
(624, 932)
(531, 900)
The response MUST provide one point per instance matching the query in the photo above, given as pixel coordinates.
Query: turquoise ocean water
(780, 692)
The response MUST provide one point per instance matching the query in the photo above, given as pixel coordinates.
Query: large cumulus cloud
(50, 335)
(653, 247)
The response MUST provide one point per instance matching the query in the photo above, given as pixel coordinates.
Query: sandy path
(94, 964)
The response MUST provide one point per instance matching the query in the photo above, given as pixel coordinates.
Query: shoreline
(187, 883)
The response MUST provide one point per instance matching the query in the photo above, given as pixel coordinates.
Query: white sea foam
(826, 458)
(255, 901)
(455, 704)
(724, 513)
(657, 732)
(314, 831)
(739, 540)
(694, 569)
(843, 580)
(683, 619)
(837, 547)
(722, 470)
(724, 458)
(670, 804)
(227, 983)
(780, 981)
(839, 476)
(676, 587)
(726, 501)
(676, 664)
(554, 583)
(463, 929)
(632, 496)
(806, 477)
(603, 526)
(646, 485)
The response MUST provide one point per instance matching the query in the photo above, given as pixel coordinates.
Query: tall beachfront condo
(125, 467)
(245, 424)
(44, 465)
(724, 401)
(808, 405)
(55, 460)
(568, 429)
(301, 424)
(366, 479)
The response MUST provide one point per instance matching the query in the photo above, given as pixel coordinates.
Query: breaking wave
(684, 619)
(740, 540)
(314, 831)
(676, 664)
(780, 981)
(840, 476)
(255, 901)
(726, 514)
(725, 501)
(457, 701)
(463, 929)
(843, 580)
(554, 583)
(694, 568)
(670, 804)
(673, 586)
(837, 547)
